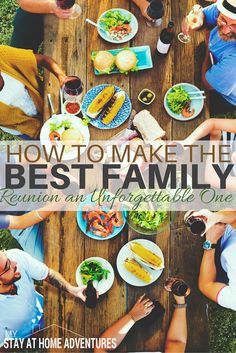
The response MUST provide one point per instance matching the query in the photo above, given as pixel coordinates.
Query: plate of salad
(99, 271)
(179, 104)
(119, 25)
(150, 218)
(64, 130)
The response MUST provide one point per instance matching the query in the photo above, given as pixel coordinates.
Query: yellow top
(21, 64)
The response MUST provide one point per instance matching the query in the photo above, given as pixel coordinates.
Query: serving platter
(143, 54)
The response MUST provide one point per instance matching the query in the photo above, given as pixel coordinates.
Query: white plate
(125, 253)
(105, 284)
(76, 123)
(133, 24)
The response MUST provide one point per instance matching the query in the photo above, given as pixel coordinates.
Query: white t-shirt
(227, 295)
(15, 94)
(19, 312)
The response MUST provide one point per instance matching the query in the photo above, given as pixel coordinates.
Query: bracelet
(180, 306)
(38, 215)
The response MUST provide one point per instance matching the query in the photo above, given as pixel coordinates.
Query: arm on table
(34, 6)
(214, 127)
(28, 219)
(176, 339)
(120, 328)
(52, 66)
(58, 281)
(207, 277)
(44, 7)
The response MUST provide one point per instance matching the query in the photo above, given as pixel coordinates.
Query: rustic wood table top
(70, 43)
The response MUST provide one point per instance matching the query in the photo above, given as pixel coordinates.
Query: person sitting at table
(220, 76)
(176, 338)
(217, 278)
(21, 102)
(27, 229)
(28, 22)
(218, 129)
(21, 306)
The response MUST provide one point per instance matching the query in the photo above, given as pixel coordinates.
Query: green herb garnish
(93, 271)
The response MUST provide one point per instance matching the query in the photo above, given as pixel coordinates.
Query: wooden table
(70, 43)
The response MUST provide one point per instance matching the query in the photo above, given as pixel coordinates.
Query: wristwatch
(207, 245)
(180, 306)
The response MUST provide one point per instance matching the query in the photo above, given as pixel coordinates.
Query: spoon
(96, 25)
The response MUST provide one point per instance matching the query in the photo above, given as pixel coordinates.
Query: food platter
(196, 104)
(59, 124)
(122, 115)
(83, 221)
(143, 55)
(126, 252)
(133, 24)
(104, 285)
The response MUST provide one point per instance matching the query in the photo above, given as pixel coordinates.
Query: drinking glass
(70, 4)
(193, 20)
(72, 89)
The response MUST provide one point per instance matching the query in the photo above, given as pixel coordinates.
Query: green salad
(177, 99)
(114, 18)
(92, 270)
(56, 126)
(149, 220)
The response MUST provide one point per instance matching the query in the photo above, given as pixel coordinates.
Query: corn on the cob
(100, 101)
(145, 255)
(114, 107)
(137, 270)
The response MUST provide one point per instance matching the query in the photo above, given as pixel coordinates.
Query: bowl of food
(107, 106)
(99, 271)
(148, 222)
(72, 108)
(184, 101)
(119, 25)
(146, 96)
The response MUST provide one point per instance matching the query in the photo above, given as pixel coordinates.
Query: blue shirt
(222, 75)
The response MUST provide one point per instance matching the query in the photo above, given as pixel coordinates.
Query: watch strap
(213, 246)
(180, 306)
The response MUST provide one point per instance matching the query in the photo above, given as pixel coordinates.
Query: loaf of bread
(148, 127)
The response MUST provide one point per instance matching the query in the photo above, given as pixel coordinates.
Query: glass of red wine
(69, 4)
(72, 89)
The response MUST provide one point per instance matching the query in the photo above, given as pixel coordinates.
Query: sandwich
(103, 61)
(71, 137)
(126, 61)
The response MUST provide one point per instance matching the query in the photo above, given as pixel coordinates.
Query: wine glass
(193, 20)
(70, 4)
(72, 89)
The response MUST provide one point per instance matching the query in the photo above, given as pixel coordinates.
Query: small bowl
(146, 90)
(72, 113)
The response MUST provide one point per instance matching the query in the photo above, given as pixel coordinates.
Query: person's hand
(186, 28)
(143, 8)
(179, 300)
(215, 232)
(77, 292)
(142, 308)
(63, 14)
(209, 217)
